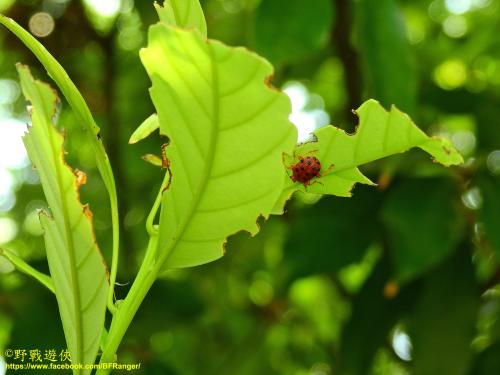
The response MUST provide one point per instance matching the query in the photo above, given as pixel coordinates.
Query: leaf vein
(238, 204)
(95, 293)
(241, 168)
(244, 82)
(254, 115)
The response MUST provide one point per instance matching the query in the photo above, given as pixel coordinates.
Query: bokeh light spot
(8, 229)
(455, 26)
(3, 366)
(402, 345)
(6, 266)
(7, 201)
(308, 112)
(41, 24)
(9, 91)
(105, 8)
(451, 74)
(493, 162)
(458, 6)
(6, 182)
(416, 25)
(472, 198)
(13, 152)
(464, 141)
(297, 93)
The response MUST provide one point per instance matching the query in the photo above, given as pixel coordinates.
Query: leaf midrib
(211, 153)
(70, 244)
(385, 153)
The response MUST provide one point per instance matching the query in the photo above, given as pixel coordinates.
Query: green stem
(145, 278)
(128, 308)
(150, 220)
(115, 224)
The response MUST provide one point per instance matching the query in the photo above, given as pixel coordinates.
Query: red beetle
(305, 170)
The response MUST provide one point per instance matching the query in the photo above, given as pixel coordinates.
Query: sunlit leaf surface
(228, 131)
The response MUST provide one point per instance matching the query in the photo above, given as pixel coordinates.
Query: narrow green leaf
(380, 134)
(186, 14)
(152, 159)
(25, 268)
(145, 129)
(75, 262)
(228, 131)
(82, 111)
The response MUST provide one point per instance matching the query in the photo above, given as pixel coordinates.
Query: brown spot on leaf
(165, 162)
(87, 212)
(81, 177)
(268, 81)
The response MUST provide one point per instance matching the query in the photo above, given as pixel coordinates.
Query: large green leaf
(75, 262)
(379, 134)
(228, 131)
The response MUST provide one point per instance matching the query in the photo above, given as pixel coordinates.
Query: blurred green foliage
(398, 279)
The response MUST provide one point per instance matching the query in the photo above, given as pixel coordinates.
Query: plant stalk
(128, 308)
